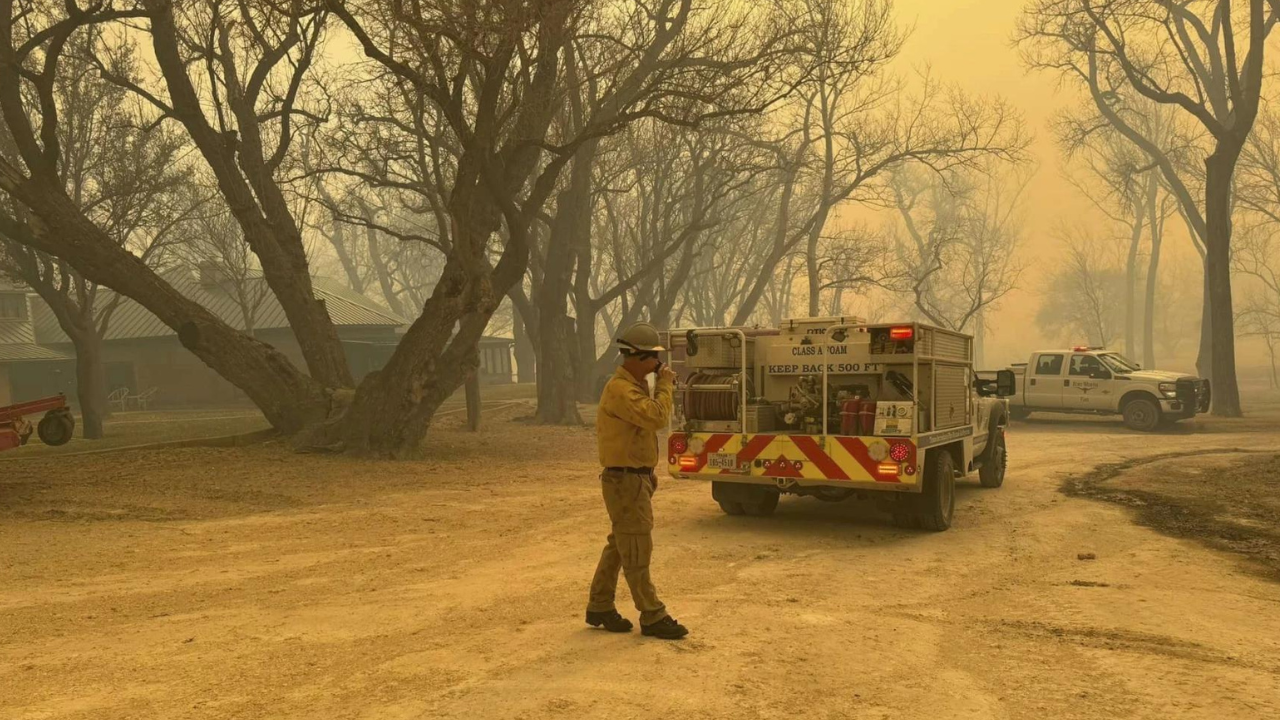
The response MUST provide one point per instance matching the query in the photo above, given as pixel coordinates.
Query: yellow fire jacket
(628, 422)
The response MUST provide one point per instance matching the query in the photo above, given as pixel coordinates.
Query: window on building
(13, 307)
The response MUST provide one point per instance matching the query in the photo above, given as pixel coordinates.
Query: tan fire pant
(628, 498)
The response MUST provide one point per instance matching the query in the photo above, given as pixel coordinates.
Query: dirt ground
(257, 583)
(1229, 500)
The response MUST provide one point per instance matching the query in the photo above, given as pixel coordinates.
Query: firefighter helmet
(641, 337)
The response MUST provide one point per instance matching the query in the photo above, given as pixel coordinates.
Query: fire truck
(835, 408)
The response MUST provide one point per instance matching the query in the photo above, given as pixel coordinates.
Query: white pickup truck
(1099, 382)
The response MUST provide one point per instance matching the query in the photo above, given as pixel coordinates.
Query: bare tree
(215, 249)
(33, 49)
(496, 88)
(1184, 55)
(130, 179)
(1257, 260)
(962, 230)
(852, 121)
(724, 56)
(669, 193)
(1085, 296)
(236, 76)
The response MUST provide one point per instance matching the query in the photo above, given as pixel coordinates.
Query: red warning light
(677, 444)
(905, 332)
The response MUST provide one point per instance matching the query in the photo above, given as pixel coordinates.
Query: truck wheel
(938, 501)
(1142, 414)
(729, 497)
(732, 508)
(991, 474)
(764, 504)
(1019, 414)
(907, 520)
(56, 428)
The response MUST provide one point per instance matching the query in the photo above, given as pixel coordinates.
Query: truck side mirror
(1006, 383)
(1100, 375)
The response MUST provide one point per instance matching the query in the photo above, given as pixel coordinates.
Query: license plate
(722, 461)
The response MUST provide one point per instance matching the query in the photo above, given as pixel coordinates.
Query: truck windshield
(1119, 363)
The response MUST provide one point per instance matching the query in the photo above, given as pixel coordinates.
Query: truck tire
(764, 505)
(991, 474)
(1019, 414)
(731, 508)
(729, 497)
(938, 501)
(907, 520)
(739, 499)
(1142, 414)
(56, 428)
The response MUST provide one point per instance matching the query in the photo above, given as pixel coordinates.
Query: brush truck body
(834, 408)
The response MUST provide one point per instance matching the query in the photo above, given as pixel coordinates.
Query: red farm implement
(55, 428)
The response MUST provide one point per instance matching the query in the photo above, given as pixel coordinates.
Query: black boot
(667, 629)
(611, 620)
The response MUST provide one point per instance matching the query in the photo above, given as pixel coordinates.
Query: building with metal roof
(141, 353)
(21, 358)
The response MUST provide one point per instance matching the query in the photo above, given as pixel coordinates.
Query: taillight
(677, 444)
(899, 452)
(890, 469)
(688, 462)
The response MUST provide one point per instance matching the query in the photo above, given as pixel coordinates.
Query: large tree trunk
(1153, 276)
(91, 385)
(585, 361)
(558, 387)
(1131, 282)
(1218, 173)
(393, 408)
(526, 355)
(557, 382)
(287, 397)
(1204, 356)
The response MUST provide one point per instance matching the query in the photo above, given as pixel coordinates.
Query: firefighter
(627, 428)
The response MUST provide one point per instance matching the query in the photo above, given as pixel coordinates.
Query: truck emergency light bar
(1084, 348)
(901, 333)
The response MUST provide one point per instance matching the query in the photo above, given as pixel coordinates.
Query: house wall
(496, 367)
(183, 381)
(24, 381)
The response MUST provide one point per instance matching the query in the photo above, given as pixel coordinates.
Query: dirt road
(255, 583)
